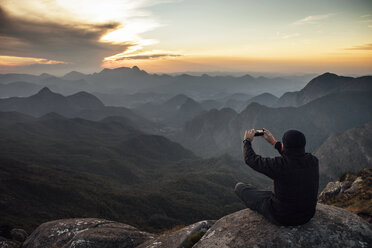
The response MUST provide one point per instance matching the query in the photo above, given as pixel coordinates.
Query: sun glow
(164, 34)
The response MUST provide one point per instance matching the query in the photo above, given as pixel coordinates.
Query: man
(296, 180)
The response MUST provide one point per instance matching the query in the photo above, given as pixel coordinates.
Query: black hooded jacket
(296, 181)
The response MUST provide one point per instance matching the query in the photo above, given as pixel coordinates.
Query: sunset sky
(288, 37)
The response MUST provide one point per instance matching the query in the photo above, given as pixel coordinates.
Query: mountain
(173, 112)
(220, 131)
(81, 104)
(176, 101)
(53, 167)
(85, 100)
(189, 109)
(322, 85)
(74, 75)
(349, 151)
(208, 134)
(43, 102)
(266, 99)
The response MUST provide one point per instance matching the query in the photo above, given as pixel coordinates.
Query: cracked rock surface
(178, 238)
(330, 227)
(86, 233)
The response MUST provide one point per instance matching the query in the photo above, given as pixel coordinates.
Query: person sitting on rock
(296, 180)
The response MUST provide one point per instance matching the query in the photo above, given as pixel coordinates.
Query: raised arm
(271, 140)
(268, 166)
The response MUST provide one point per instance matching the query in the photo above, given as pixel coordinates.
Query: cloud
(74, 44)
(361, 47)
(122, 58)
(16, 61)
(312, 19)
(150, 56)
(78, 33)
(285, 36)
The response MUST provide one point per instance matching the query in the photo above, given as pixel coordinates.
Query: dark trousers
(257, 200)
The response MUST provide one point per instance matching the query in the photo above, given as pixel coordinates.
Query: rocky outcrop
(353, 192)
(330, 227)
(185, 237)
(79, 233)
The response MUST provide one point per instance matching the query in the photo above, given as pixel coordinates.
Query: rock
(181, 238)
(355, 185)
(89, 232)
(19, 235)
(330, 227)
(334, 188)
(9, 244)
(355, 196)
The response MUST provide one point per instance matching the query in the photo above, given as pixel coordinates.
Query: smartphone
(259, 132)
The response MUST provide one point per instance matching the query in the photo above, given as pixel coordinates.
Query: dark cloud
(151, 56)
(361, 47)
(76, 44)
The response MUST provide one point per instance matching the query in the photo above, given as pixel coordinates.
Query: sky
(168, 36)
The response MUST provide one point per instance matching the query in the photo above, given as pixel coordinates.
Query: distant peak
(185, 75)
(247, 76)
(52, 115)
(46, 75)
(74, 73)
(45, 90)
(328, 75)
(135, 68)
(266, 94)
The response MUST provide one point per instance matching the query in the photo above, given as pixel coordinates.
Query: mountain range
(334, 104)
(175, 155)
(323, 85)
(124, 81)
(56, 167)
(172, 112)
(81, 104)
(221, 131)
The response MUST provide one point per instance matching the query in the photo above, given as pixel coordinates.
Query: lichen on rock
(90, 232)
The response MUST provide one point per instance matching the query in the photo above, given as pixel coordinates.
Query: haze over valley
(163, 146)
